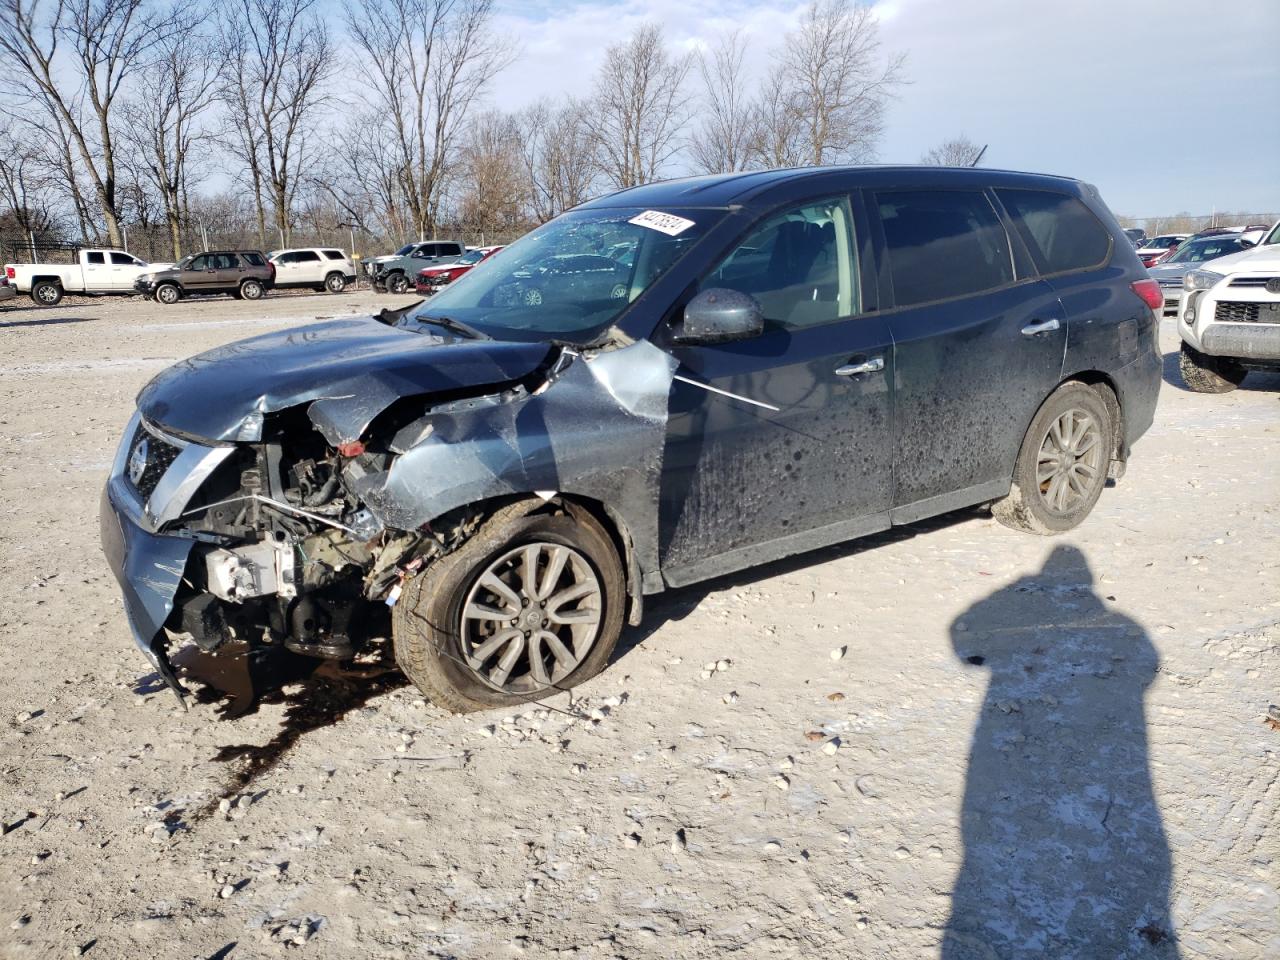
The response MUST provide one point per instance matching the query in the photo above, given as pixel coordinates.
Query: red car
(431, 279)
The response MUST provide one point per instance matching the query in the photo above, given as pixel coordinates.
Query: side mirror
(719, 315)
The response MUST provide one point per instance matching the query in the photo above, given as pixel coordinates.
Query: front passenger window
(799, 265)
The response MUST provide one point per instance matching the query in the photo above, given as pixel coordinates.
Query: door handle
(874, 365)
(1040, 326)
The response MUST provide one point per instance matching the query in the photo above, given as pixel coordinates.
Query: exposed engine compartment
(288, 554)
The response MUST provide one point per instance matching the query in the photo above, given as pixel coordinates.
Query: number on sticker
(667, 223)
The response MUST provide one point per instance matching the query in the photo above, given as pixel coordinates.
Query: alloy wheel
(531, 617)
(1069, 466)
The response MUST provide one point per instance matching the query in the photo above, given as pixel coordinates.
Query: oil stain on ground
(315, 694)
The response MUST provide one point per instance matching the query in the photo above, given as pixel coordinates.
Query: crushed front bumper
(149, 568)
(147, 561)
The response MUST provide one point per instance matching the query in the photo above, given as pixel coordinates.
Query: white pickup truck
(95, 272)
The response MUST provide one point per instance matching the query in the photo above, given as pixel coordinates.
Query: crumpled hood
(348, 370)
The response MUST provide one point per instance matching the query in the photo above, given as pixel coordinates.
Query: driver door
(781, 442)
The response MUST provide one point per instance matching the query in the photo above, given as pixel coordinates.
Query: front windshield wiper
(457, 326)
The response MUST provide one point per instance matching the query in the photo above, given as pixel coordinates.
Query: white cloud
(1166, 106)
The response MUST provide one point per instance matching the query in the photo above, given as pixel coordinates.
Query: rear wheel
(529, 606)
(1062, 465)
(251, 290)
(47, 293)
(335, 283)
(167, 294)
(1205, 374)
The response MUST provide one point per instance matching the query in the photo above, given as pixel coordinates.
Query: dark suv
(245, 274)
(778, 361)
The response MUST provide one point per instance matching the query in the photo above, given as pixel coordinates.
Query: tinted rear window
(1060, 231)
(307, 256)
(253, 258)
(95, 259)
(942, 244)
(334, 254)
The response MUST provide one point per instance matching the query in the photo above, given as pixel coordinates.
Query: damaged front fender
(596, 429)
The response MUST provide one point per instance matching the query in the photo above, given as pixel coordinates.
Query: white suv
(1229, 318)
(323, 268)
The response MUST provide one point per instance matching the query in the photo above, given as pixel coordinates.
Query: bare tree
(493, 179)
(276, 57)
(166, 117)
(25, 180)
(835, 80)
(957, 152)
(559, 155)
(722, 141)
(777, 125)
(640, 107)
(73, 58)
(428, 63)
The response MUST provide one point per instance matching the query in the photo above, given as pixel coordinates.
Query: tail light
(272, 265)
(1148, 292)
(9, 272)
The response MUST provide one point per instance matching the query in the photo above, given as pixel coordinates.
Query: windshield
(405, 250)
(571, 278)
(1272, 237)
(475, 256)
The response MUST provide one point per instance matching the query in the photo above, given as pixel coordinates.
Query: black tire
(335, 283)
(168, 294)
(427, 621)
(252, 290)
(1039, 504)
(398, 284)
(1205, 374)
(47, 293)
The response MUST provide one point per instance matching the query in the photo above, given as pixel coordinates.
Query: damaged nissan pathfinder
(658, 387)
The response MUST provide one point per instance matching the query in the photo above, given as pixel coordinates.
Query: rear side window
(942, 244)
(307, 256)
(254, 258)
(95, 259)
(334, 254)
(1060, 231)
(446, 250)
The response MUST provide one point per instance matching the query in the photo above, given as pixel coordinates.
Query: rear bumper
(7, 293)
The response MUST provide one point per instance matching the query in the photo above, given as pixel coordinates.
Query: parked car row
(245, 274)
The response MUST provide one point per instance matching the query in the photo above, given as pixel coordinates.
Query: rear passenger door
(1106, 323)
(978, 344)
(309, 268)
(97, 274)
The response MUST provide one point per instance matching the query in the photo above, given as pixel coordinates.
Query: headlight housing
(1201, 279)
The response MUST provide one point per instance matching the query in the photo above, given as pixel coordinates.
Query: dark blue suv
(778, 361)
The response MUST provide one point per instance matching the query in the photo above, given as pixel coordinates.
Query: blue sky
(1166, 105)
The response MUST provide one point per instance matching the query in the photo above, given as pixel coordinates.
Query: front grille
(1229, 311)
(153, 460)
(1251, 281)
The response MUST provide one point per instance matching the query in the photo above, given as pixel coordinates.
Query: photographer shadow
(1065, 853)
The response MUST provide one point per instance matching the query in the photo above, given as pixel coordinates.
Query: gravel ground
(947, 741)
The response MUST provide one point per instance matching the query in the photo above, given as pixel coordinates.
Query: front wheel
(397, 283)
(335, 283)
(1205, 374)
(167, 294)
(1062, 465)
(251, 290)
(47, 294)
(529, 606)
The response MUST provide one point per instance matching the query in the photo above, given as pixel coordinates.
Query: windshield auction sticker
(667, 223)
